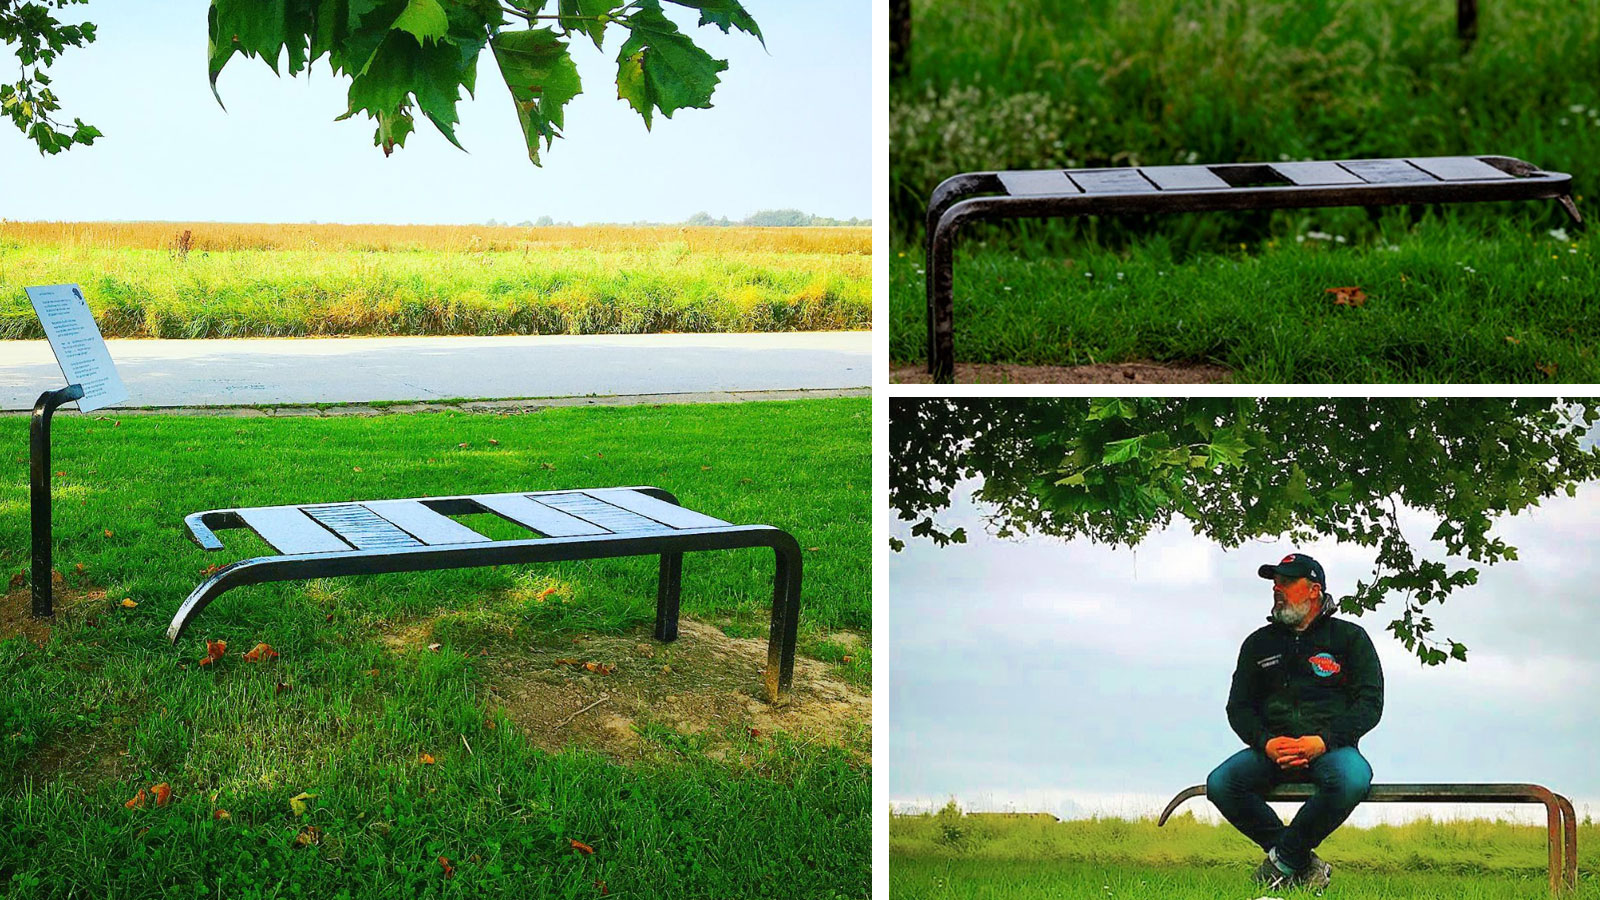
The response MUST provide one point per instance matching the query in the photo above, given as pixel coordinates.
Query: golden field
(167, 279)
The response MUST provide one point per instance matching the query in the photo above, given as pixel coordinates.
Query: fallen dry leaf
(108, 532)
(129, 603)
(1512, 340)
(1347, 296)
(542, 594)
(449, 870)
(434, 647)
(162, 793)
(137, 802)
(600, 885)
(581, 847)
(211, 570)
(845, 660)
(493, 442)
(465, 445)
(78, 567)
(308, 836)
(1549, 369)
(221, 815)
(355, 468)
(600, 668)
(17, 580)
(755, 732)
(283, 688)
(548, 467)
(297, 803)
(214, 651)
(260, 652)
(426, 759)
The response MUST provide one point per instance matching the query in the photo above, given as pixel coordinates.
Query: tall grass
(191, 281)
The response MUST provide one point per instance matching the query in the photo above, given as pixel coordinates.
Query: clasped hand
(1295, 753)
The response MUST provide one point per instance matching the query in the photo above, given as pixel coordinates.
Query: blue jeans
(1342, 777)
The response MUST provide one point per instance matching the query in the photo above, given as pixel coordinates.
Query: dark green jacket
(1324, 681)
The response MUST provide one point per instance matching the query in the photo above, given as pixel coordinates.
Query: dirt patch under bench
(1095, 373)
(705, 684)
(16, 609)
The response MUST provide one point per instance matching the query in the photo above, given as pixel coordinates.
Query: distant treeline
(766, 218)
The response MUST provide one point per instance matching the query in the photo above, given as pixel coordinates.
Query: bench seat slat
(612, 518)
(530, 513)
(289, 530)
(1184, 178)
(1111, 181)
(670, 514)
(1315, 174)
(1458, 168)
(427, 526)
(1037, 182)
(360, 527)
(1387, 171)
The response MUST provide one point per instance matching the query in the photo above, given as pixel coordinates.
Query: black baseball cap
(1296, 565)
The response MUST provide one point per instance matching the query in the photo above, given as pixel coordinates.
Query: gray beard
(1291, 615)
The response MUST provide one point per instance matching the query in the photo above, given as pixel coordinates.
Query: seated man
(1306, 688)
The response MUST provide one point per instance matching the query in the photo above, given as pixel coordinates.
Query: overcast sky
(1043, 675)
(790, 127)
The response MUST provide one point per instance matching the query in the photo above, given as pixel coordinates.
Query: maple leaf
(162, 793)
(261, 652)
(214, 651)
(1347, 296)
(138, 800)
(581, 847)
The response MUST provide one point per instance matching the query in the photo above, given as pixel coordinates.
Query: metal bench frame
(415, 535)
(1059, 193)
(1560, 816)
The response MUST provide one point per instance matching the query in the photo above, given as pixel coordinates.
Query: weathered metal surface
(977, 196)
(39, 495)
(1038, 183)
(1561, 823)
(1458, 168)
(650, 520)
(1111, 181)
(1184, 178)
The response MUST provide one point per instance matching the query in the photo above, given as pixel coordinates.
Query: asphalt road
(268, 371)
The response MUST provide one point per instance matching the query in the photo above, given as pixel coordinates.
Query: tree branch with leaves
(39, 38)
(417, 56)
(1238, 469)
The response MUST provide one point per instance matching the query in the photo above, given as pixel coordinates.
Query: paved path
(251, 371)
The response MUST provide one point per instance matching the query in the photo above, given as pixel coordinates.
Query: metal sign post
(91, 380)
(39, 495)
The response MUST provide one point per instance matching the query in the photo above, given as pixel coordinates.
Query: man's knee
(1347, 776)
(1230, 778)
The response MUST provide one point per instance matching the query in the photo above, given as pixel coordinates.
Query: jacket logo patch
(1272, 660)
(1324, 665)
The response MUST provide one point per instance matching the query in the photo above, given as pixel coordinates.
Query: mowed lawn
(447, 770)
(1490, 293)
(196, 280)
(982, 857)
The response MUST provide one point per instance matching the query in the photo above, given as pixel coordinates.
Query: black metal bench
(414, 535)
(1561, 821)
(1051, 193)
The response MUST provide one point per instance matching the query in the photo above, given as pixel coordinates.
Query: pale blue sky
(791, 127)
(1072, 678)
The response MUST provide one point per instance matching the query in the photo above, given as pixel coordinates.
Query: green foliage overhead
(1239, 469)
(39, 39)
(409, 56)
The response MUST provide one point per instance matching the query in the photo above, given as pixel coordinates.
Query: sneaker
(1316, 875)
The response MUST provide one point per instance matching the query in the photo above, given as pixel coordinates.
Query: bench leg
(941, 303)
(785, 622)
(668, 590)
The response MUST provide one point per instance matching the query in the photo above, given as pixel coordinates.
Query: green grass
(1020, 85)
(992, 857)
(1445, 304)
(105, 706)
(138, 292)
